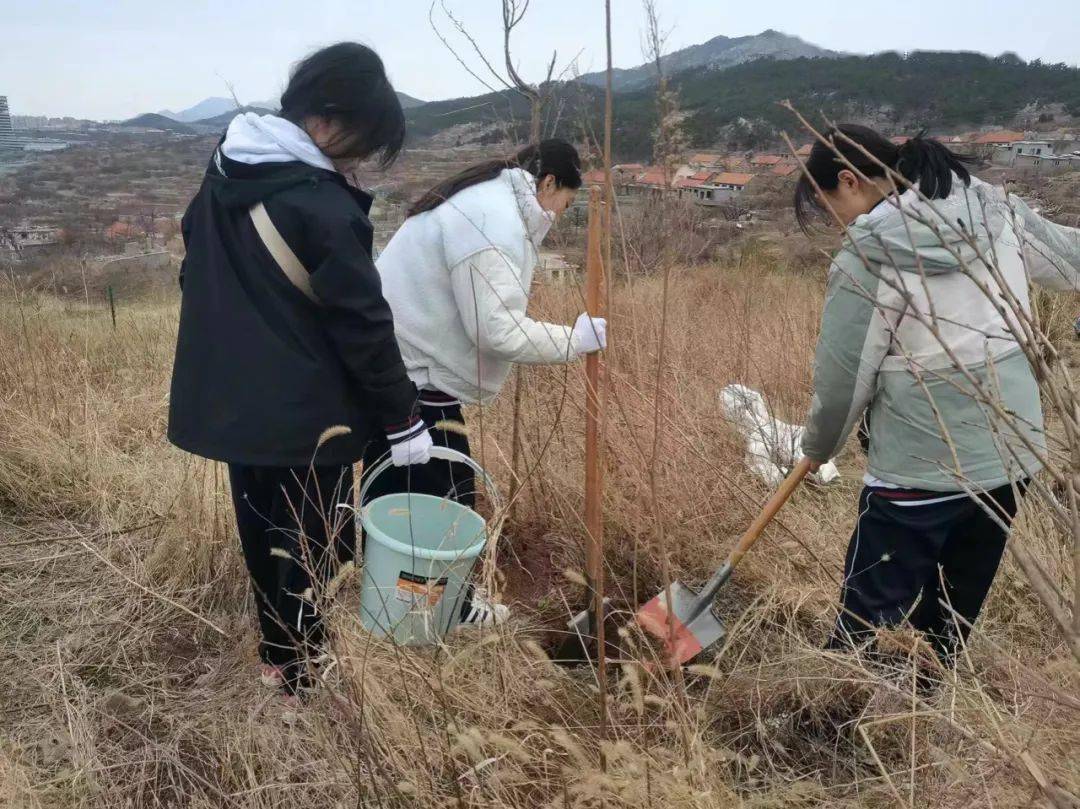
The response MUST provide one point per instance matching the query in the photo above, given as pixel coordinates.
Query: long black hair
(919, 160)
(347, 83)
(553, 156)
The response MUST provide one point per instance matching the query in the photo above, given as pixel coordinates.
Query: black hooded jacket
(261, 371)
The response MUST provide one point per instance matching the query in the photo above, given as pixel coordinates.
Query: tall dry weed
(107, 529)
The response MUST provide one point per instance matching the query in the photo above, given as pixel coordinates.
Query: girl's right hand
(590, 334)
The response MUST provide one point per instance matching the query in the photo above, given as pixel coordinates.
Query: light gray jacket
(907, 332)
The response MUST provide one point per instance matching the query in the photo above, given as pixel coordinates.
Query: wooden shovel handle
(779, 497)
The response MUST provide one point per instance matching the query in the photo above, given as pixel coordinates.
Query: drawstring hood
(912, 235)
(252, 139)
(262, 155)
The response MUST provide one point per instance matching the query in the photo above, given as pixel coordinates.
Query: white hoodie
(457, 279)
(252, 138)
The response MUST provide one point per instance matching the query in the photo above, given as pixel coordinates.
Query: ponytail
(555, 157)
(920, 160)
(931, 165)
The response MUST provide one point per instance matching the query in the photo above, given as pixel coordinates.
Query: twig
(150, 592)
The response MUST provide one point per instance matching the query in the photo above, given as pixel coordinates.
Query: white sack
(772, 446)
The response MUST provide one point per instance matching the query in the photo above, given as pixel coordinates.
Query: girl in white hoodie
(457, 277)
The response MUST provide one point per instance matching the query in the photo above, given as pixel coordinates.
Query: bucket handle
(442, 454)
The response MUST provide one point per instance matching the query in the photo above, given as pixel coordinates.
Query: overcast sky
(118, 58)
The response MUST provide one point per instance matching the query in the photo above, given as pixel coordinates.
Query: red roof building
(731, 179)
(594, 177)
(1002, 137)
(705, 160)
(122, 230)
(785, 169)
(761, 160)
(652, 177)
(694, 180)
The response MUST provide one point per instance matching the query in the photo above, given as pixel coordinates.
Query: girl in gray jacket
(910, 338)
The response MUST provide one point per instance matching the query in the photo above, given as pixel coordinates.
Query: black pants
(294, 537)
(448, 479)
(912, 550)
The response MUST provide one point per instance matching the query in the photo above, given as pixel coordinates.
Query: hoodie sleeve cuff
(399, 433)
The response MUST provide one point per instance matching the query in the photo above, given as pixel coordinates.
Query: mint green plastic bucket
(418, 556)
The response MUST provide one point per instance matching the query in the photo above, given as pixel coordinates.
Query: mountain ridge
(717, 53)
(154, 120)
(739, 107)
(207, 108)
(214, 107)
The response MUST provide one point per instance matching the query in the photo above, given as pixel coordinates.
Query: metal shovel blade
(688, 625)
(579, 644)
(685, 628)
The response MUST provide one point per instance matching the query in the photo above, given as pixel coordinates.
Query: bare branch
(461, 30)
(512, 15)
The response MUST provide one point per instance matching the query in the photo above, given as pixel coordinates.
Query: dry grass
(120, 554)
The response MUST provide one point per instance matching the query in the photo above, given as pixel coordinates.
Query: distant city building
(45, 145)
(8, 141)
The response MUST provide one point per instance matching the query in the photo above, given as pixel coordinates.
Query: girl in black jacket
(268, 362)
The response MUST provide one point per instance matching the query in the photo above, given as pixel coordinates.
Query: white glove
(590, 333)
(416, 449)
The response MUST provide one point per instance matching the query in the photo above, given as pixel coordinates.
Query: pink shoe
(271, 676)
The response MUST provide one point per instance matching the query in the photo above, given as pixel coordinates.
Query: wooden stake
(609, 187)
(597, 286)
(594, 518)
(515, 445)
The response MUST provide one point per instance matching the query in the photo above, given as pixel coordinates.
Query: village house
(707, 161)
(736, 162)
(766, 161)
(624, 175)
(24, 237)
(963, 144)
(983, 145)
(651, 181)
(626, 172)
(1063, 143)
(1036, 155)
(722, 187)
(594, 177)
(1000, 137)
(688, 185)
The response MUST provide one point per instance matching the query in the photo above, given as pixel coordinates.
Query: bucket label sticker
(419, 590)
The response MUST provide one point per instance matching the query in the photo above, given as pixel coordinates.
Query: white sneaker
(482, 611)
